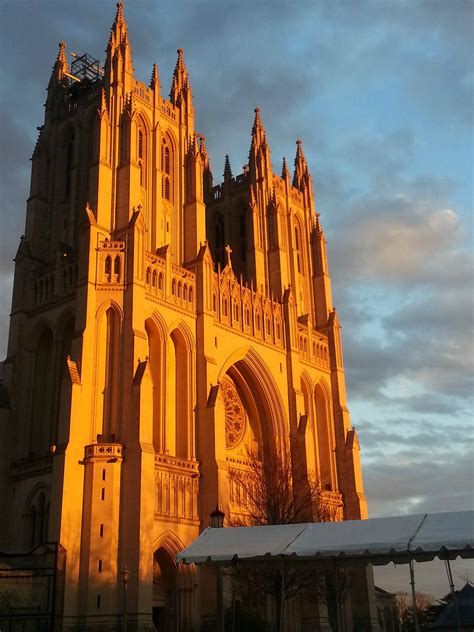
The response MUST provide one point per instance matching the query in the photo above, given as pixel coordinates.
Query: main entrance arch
(173, 587)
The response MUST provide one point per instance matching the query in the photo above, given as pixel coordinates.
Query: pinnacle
(119, 27)
(61, 58)
(257, 125)
(299, 149)
(227, 169)
(180, 83)
(119, 17)
(155, 77)
(60, 65)
(284, 169)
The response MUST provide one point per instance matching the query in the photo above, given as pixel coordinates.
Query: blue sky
(381, 94)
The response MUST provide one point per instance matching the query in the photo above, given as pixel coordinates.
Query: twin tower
(163, 332)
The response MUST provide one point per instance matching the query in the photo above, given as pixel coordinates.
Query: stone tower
(162, 329)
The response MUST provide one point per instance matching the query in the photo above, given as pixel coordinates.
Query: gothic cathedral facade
(162, 329)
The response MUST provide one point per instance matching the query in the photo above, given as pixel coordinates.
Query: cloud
(415, 483)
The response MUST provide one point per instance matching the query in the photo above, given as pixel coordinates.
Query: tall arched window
(36, 518)
(63, 392)
(166, 169)
(41, 428)
(111, 390)
(69, 164)
(179, 369)
(323, 439)
(141, 154)
(117, 266)
(298, 248)
(155, 353)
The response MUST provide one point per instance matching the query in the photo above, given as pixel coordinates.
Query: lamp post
(125, 578)
(217, 522)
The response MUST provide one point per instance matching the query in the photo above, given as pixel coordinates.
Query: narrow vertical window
(140, 144)
(298, 248)
(69, 165)
(117, 266)
(167, 170)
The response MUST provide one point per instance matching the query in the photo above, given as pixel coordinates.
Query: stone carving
(234, 415)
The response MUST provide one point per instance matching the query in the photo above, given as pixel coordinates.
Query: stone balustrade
(176, 489)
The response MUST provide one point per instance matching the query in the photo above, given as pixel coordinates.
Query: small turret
(119, 51)
(227, 169)
(301, 178)
(180, 88)
(119, 31)
(57, 82)
(259, 157)
(60, 68)
(155, 78)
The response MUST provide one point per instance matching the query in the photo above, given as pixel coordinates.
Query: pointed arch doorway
(165, 596)
(173, 588)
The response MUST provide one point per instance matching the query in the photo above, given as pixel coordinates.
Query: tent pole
(413, 594)
(453, 592)
(282, 603)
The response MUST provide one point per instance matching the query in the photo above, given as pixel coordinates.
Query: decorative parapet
(168, 109)
(313, 346)
(155, 275)
(182, 282)
(103, 452)
(242, 308)
(183, 287)
(54, 280)
(111, 263)
(34, 466)
(177, 487)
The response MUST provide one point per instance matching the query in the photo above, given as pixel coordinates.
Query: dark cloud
(409, 483)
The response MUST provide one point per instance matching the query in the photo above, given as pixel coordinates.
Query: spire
(180, 89)
(227, 169)
(258, 131)
(317, 224)
(119, 31)
(155, 77)
(118, 47)
(301, 166)
(60, 67)
(284, 170)
(259, 157)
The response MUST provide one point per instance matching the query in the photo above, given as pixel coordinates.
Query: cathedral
(164, 330)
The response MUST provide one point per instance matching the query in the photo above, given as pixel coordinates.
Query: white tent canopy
(421, 537)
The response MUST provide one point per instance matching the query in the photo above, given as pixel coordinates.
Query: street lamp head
(217, 518)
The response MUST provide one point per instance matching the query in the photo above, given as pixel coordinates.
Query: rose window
(234, 415)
